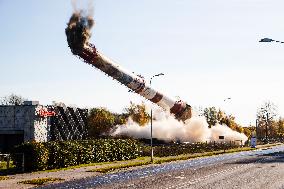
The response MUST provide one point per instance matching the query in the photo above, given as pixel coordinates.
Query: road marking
(195, 181)
(179, 177)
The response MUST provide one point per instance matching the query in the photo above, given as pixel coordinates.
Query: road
(252, 169)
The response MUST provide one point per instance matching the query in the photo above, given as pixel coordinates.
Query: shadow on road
(277, 157)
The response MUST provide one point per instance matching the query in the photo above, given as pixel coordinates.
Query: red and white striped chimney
(78, 33)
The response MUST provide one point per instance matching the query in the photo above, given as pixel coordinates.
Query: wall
(25, 123)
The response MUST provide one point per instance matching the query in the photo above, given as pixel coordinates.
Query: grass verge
(146, 160)
(76, 166)
(267, 145)
(112, 166)
(120, 166)
(159, 160)
(40, 181)
(4, 178)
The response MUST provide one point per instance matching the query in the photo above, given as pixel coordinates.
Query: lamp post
(151, 114)
(226, 101)
(256, 127)
(268, 40)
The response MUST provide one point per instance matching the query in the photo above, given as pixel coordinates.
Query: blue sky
(207, 49)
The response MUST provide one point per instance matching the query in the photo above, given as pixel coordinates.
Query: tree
(120, 119)
(138, 113)
(248, 131)
(12, 99)
(100, 122)
(265, 117)
(280, 129)
(211, 116)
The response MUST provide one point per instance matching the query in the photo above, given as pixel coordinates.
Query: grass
(160, 160)
(192, 156)
(40, 181)
(3, 165)
(87, 165)
(120, 166)
(268, 145)
(4, 178)
(77, 166)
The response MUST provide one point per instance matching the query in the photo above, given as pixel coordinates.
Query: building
(34, 122)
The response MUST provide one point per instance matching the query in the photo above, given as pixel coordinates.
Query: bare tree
(12, 99)
(265, 116)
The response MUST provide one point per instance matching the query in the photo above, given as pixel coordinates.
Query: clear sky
(207, 49)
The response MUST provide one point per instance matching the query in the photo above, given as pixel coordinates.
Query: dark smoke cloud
(86, 5)
(78, 29)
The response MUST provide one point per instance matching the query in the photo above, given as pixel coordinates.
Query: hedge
(58, 154)
(179, 149)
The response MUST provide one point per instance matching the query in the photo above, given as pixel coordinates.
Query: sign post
(223, 138)
(253, 142)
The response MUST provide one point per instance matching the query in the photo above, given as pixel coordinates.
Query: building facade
(34, 122)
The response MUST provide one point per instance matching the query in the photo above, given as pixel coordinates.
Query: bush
(178, 149)
(35, 154)
(50, 155)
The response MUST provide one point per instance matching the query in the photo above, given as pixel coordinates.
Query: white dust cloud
(166, 127)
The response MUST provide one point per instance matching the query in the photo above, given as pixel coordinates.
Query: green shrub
(50, 155)
(35, 156)
(190, 148)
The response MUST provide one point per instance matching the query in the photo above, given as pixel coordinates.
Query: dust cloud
(167, 128)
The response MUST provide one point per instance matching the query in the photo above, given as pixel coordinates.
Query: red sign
(46, 113)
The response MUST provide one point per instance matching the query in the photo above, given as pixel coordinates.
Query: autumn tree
(211, 116)
(280, 129)
(100, 122)
(138, 113)
(214, 116)
(120, 119)
(248, 131)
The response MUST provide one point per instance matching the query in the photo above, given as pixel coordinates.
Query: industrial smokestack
(78, 33)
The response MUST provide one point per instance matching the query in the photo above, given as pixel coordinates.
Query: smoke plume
(78, 29)
(167, 128)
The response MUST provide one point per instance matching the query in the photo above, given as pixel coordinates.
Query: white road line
(191, 182)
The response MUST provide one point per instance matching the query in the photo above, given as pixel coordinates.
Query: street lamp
(268, 40)
(151, 114)
(155, 76)
(226, 99)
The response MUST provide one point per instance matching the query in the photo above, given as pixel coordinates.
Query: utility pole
(266, 128)
(152, 151)
(256, 129)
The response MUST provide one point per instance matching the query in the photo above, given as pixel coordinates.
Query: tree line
(101, 121)
(269, 126)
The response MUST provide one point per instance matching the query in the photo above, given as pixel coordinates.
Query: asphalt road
(252, 169)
